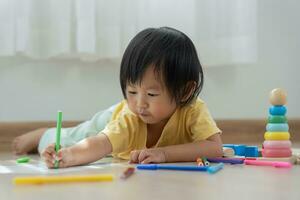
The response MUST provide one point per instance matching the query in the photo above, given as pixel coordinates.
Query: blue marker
(215, 168)
(172, 167)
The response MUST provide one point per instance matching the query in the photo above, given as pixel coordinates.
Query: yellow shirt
(127, 132)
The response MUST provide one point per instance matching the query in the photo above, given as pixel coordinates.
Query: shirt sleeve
(120, 132)
(200, 123)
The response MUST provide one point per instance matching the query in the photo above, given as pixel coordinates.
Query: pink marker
(268, 163)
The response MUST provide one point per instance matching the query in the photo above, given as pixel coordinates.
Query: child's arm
(86, 151)
(212, 147)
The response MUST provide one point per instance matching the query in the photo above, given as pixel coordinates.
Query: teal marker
(58, 130)
(215, 168)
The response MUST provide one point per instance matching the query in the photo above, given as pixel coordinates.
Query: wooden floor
(232, 182)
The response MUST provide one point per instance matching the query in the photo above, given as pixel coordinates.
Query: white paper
(39, 167)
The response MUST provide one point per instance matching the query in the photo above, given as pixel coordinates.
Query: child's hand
(64, 156)
(146, 156)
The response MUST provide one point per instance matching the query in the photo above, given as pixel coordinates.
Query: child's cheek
(131, 104)
(158, 111)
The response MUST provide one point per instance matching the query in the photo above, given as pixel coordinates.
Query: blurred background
(65, 55)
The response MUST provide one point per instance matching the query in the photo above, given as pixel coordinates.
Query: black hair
(174, 58)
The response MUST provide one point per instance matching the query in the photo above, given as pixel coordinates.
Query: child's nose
(142, 104)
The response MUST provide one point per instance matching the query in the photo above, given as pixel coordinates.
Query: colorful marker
(199, 162)
(62, 179)
(206, 163)
(226, 160)
(172, 167)
(23, 160)
(127, 173)
(58, 130)
(215, 168)
(268, 163)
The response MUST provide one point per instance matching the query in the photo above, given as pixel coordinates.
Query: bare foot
(27, 142)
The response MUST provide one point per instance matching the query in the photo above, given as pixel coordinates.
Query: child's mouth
(144, 114)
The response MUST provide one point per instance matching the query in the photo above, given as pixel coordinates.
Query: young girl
(160, 119)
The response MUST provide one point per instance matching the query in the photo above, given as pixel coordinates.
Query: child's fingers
(64, 156)
(50, 149)
(134, 156)
(62, 164)
(151, 156)
(143, 155)
(48, 152)
(49, 163)
(48, 159)
(60, 154)
(49, 155)
(148, 160)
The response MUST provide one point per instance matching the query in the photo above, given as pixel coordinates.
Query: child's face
(150, 100)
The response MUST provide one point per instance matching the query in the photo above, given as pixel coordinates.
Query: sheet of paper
(39, 167)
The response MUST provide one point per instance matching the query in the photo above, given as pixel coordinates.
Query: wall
(35, 90)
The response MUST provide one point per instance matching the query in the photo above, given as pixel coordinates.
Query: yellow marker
(62, 179)
(277, 135)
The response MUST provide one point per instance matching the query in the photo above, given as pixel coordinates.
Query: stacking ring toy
(277, 119)
(276, 153)
(277, 135)
(277, 144)
(277, 110)
(280, 127)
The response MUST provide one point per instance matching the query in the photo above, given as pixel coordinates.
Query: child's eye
(152, 95)
(131, 92)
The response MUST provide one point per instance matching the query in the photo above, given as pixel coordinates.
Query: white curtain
(224, 32)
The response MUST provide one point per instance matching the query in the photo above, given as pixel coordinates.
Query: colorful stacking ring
(277, 135)
(280, 127)
(276, 153)
(277, 144)
(277, 119)
(277, 110)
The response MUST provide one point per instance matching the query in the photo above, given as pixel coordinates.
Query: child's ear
(188, 90)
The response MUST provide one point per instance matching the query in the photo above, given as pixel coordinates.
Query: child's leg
(27, 142)
(70, 136)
